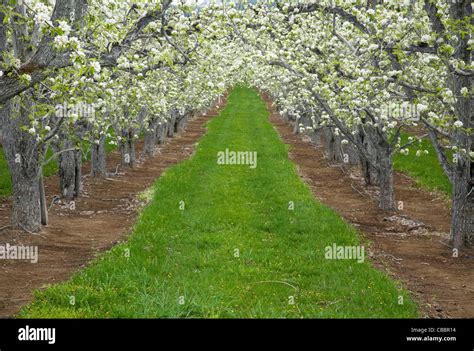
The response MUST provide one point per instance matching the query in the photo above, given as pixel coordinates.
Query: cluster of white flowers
(62, 40)
(123, 62)
(26, 78)
(405, 151)
(464, 92)
(96, 66)
(420, 153)
(42, 14)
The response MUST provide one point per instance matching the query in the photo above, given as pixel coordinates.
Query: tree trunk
(24, 161)
(127, 148)
(181, 123)
(150, 138)
(165, 131)
(149, 143)
(462, 230)
(160, 133)
(385, 178)
(171, 124)
(98, 158)
(462, 222)
(350, 154)
(367, 172)
(78, 172)
(26, 199)
(368, 137)
(333, 145)
(316, 137)
(132, 150)
(66, 167)
(43, 205)
(296, 126)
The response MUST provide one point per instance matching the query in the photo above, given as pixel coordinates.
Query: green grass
(191, 253)
(425, 169)
(48, 170)
(5, 179)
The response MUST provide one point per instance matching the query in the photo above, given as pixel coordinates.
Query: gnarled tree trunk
(181, 122)
(333, 145)
(150, 137)
(67, 167)
(386, 185)
(462, 222)
(171, 124)
(24, 161)
(98, 158)
(127, 148)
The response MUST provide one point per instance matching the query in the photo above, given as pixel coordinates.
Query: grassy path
(426, 169)
(236, 250)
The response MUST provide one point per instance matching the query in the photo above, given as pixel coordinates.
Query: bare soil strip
(410, 245)
(103, 216)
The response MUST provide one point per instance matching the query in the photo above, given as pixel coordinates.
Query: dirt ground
(103, 216)
(410, 245)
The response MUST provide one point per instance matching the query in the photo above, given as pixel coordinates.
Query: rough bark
(24, 161)
(375, 159)
(296, 125)
(181, 122)
(368, 138)
(350, 155)
(462, 230)
(98, 158)
(171, 124)
(78, 172)
(160, 133)
(165, 131)
(316, 137)
(43, 205)
(462, 222)
(333, 145)
(150, 137)
(385, 178)
(127, 148)
(67, 167)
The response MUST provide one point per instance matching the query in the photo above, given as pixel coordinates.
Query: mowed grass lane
(424, 169)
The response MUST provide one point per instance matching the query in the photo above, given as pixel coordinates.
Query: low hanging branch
(57, 154)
